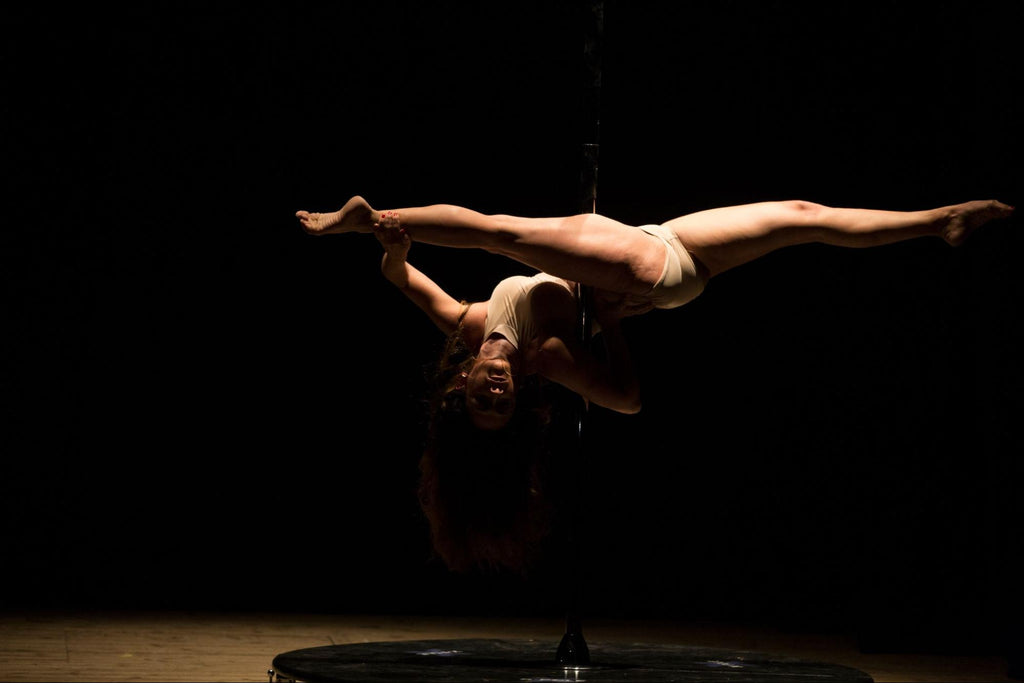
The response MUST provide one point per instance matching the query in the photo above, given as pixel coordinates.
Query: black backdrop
(204, 408)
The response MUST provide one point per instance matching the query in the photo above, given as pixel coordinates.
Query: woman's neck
(497, 346)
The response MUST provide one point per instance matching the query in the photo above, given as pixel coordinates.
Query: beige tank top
(509, 312)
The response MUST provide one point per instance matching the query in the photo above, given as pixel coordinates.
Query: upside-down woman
(480, 441)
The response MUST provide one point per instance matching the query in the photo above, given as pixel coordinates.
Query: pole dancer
(487, 401)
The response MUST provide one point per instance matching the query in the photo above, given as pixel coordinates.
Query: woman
(527, 328)
(632, 269)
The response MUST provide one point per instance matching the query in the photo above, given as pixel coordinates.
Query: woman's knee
(502, 231)
(800, 219)
(800, 208)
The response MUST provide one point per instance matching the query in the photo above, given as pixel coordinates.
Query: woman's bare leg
(727, 237)
(586, 248)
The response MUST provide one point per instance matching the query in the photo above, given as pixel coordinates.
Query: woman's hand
(394, 239)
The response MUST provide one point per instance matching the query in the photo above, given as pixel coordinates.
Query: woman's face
(490, 393)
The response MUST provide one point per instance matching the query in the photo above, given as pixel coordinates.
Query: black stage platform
(532, 661)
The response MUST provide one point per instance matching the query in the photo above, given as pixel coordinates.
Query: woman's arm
(442, 309)
(611, 384)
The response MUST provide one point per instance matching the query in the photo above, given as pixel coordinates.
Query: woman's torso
(528, 310)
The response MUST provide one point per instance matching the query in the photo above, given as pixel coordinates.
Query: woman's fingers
(389, 234)
(393, 238)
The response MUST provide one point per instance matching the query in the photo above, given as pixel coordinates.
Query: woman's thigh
(587, 248)
(725, 237)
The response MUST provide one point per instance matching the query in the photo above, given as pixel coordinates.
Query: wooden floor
(39, 646)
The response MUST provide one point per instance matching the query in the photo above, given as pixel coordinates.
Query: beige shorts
(681, 279)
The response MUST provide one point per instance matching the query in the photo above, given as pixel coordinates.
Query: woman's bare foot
(356, 216)
(965, 218)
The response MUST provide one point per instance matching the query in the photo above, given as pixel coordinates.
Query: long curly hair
(484, 492)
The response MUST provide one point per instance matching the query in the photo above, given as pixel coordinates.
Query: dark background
(204, 408)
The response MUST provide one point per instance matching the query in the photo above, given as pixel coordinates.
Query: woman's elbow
(630, 405)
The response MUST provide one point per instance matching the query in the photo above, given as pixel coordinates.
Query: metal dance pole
(573, 650)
